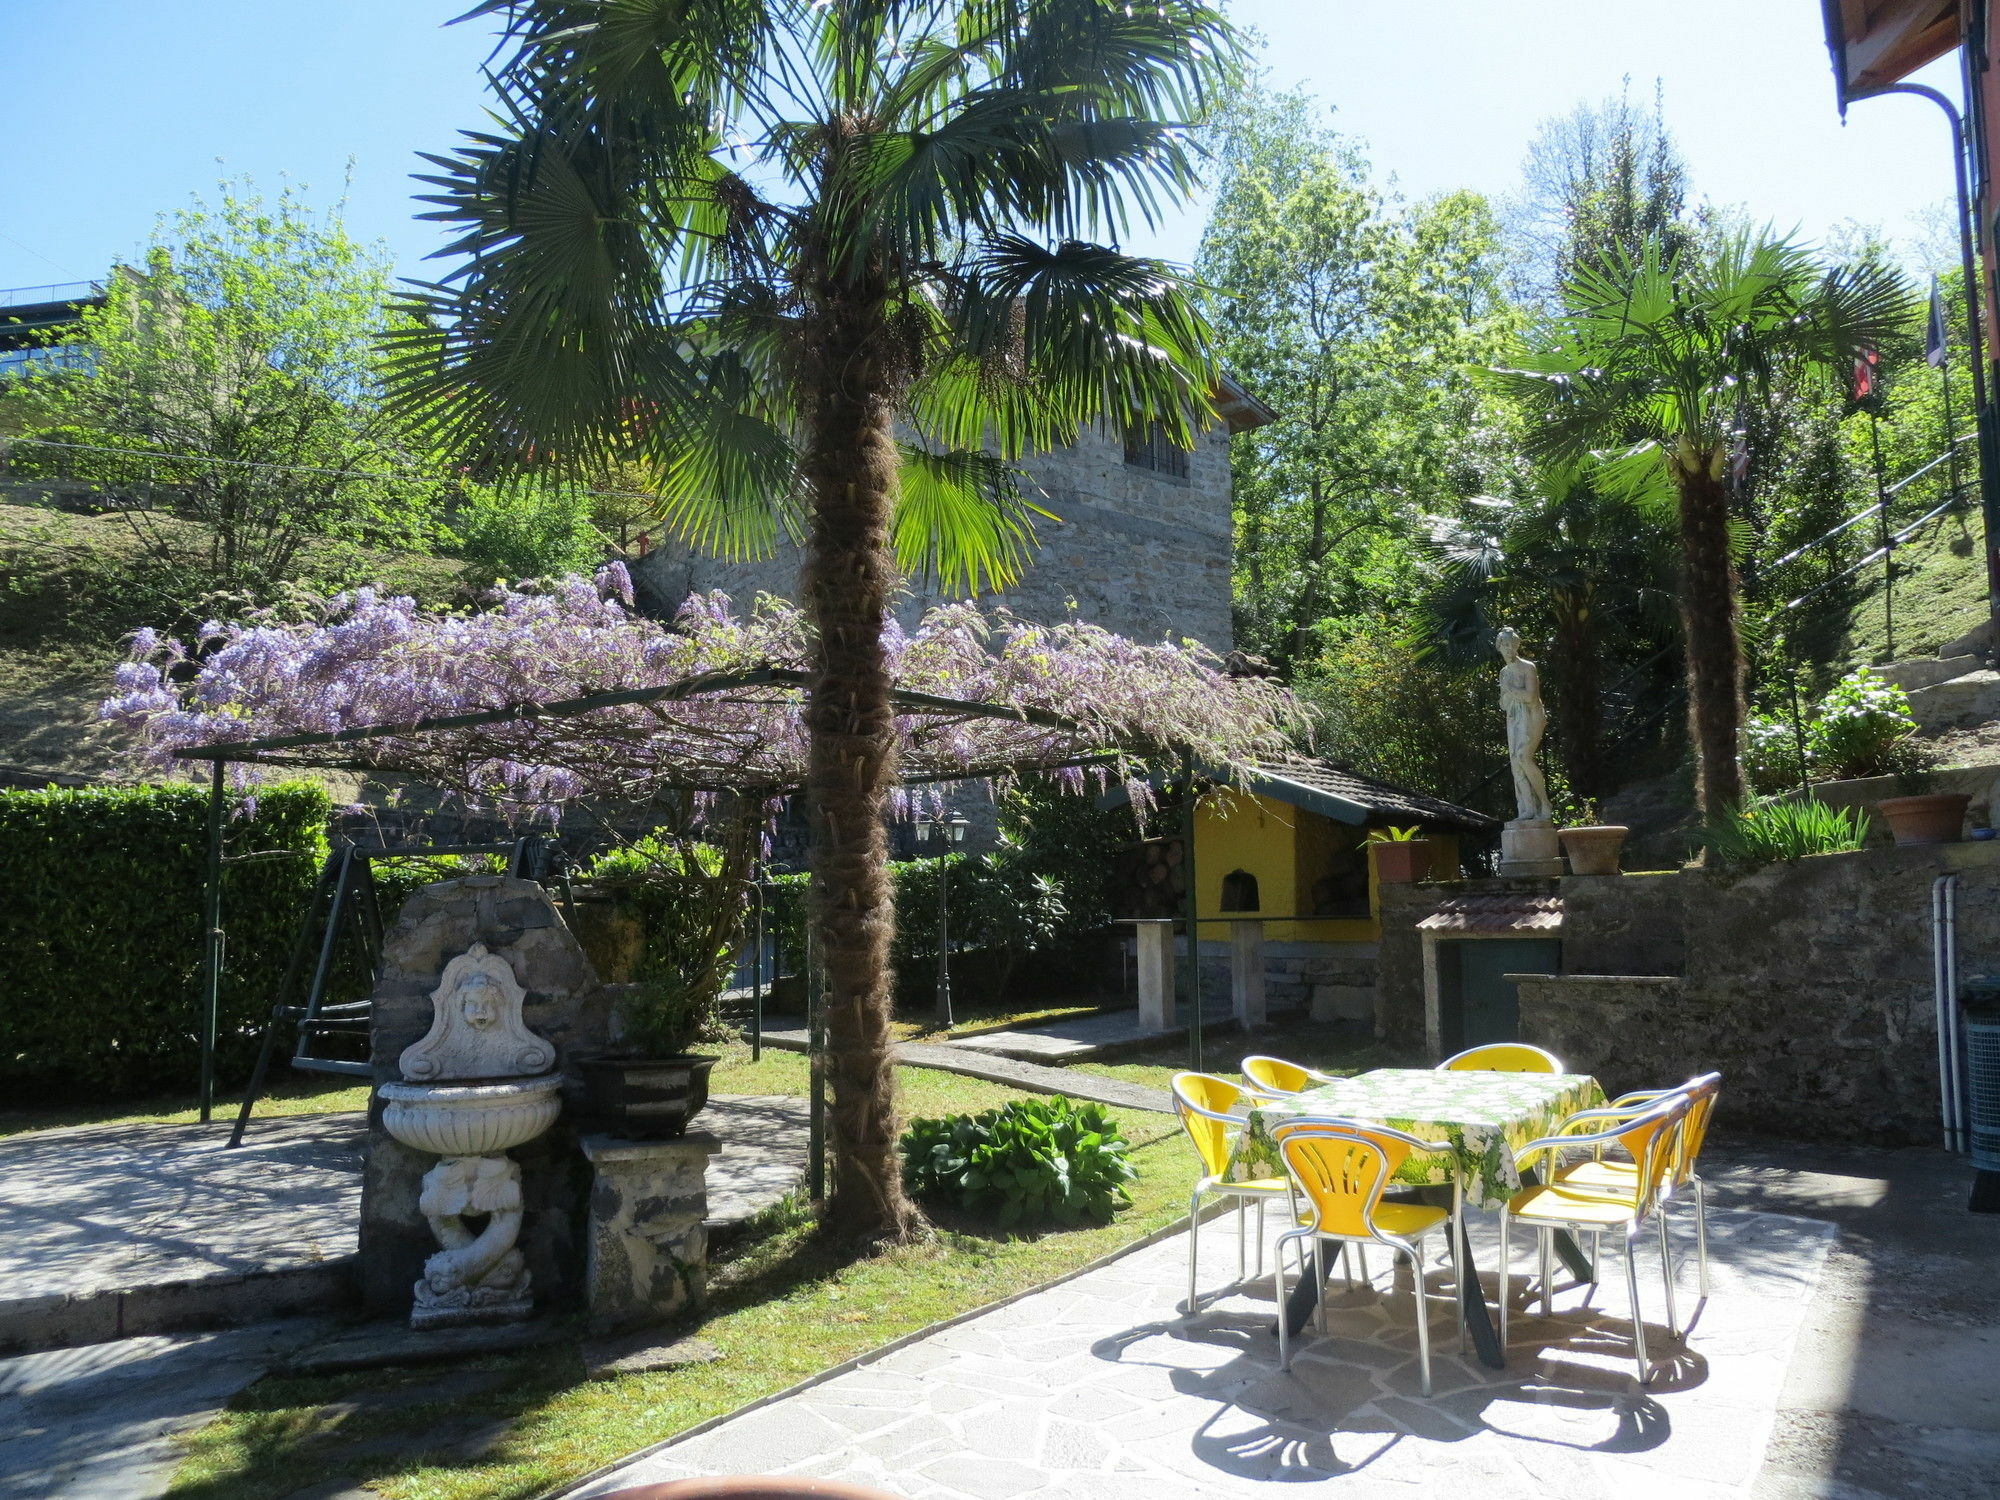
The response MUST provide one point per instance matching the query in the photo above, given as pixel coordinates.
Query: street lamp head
(954, 828)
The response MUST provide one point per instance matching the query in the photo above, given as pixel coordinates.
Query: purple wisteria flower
(370, 660)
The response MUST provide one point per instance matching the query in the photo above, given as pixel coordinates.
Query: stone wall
(1809, 985)
(565, 1003)
(1136, 551)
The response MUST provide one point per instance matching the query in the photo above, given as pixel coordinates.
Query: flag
(1934, 334)
(1864, 375)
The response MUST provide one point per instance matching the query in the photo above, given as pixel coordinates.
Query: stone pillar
(1246, 972)
(648, 1256)
(1155, 940)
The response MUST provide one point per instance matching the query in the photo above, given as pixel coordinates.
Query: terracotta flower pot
(1593, 850)
(1933, 818)
(1401, 863)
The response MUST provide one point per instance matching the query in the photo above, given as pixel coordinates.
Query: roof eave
(1311, 798)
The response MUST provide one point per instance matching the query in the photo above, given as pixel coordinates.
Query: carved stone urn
(477, 1085)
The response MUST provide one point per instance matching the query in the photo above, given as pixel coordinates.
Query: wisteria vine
(362, 659)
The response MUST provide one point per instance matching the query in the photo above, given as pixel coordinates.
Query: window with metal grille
(1153, 449)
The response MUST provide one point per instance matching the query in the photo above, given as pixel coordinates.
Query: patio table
(1484, 1117)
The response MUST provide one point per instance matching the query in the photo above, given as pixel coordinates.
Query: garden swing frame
(316, 751)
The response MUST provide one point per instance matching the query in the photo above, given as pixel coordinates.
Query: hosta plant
(1031, 1161)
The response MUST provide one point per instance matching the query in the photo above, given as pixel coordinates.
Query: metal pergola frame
(268, 751)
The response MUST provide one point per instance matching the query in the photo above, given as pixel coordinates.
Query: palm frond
(962, 520)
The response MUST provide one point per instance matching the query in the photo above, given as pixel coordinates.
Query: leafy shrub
(993, 901)
(1061, 832)
(1771, 760)
(522, 532)
(1764, 832)
(101, 932)
(1030, 1161)
(1389, 712)
(691, 911)
(1862, 729)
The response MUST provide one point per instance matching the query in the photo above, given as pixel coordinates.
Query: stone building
(1142, 545)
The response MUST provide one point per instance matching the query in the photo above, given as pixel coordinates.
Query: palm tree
(825, 267)
(1651, 365)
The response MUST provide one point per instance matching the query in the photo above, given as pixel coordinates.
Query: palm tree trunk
(849, 572)
(1714, 649)
(1578, 704)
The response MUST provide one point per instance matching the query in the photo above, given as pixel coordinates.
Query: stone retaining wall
(1809, 985)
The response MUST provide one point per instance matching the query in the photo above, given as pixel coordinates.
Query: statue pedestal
(1530, 847)
(648, 1228)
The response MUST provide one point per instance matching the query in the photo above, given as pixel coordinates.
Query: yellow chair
(1340, 1167)
(1651, 1138)
(1206, 1106)
(1273, 1075)
(1502, 1057)
(1701, 1094)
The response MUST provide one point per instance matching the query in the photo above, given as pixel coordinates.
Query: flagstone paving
(1098, 1389)
(114, 1230)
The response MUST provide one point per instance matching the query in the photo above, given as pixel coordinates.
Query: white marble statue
(476, 1277)
(1521, 702)
(476, 1025)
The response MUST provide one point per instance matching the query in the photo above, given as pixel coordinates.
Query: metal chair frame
(1360, 1132)
(1269, 1091)
(1218, 1186)
(1701, 1093)
(1646, 1197)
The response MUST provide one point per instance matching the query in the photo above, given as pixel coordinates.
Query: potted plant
(689, 906)
(1401, 855)
(1592, 846)
(1922, 816)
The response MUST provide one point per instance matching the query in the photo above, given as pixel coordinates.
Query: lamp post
(945, 832)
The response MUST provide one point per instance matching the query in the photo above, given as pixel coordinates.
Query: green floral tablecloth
(1485, 1117)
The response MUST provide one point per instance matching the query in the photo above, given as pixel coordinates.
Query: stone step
(1929, 671)
(1961, 703)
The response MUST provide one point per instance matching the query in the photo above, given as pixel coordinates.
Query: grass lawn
(783, 1305)
(1940, 594)
(291, 1094)
(314, 1094)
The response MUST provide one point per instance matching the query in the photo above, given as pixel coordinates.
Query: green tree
(245, 348)
(1602, 179)
(1354, 318)
(743, 241)
(1587, 572)
(1654, 358)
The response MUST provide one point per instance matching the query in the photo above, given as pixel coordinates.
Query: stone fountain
(478, 1084)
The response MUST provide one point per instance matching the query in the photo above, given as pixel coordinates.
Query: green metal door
(1477, 1002)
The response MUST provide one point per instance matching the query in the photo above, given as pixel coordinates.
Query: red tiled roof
(1495, 914)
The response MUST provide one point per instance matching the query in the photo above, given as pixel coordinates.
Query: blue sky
(120, 109)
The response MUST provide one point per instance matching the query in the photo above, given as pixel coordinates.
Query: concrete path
(1032, 1078)
(1097, 1390)
(1069, 1039)
(98, 1423)
(113, 1231)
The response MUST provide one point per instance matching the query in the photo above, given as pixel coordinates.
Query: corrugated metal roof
(1495, 914)
(1335, 792)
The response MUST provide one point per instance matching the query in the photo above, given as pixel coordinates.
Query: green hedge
(100, 930)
